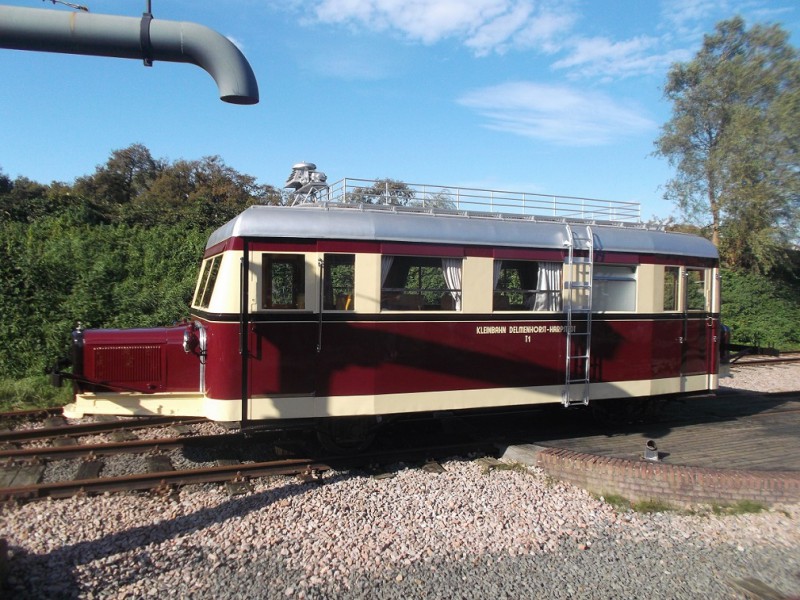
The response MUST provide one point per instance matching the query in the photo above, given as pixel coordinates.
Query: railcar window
(208, 279)
(339, 277)
(201, 286)
(671, 280)
(527, 285)
(420, 283)
(614, 288)
(696, 289)
(284, 281)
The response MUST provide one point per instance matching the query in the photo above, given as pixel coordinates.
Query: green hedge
(56, 273)
(762, 310)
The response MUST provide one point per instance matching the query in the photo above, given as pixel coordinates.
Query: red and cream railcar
(340, 310)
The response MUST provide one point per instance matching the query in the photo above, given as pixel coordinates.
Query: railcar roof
(369, 223)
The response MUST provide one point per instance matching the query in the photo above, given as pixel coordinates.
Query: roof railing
(448, 199)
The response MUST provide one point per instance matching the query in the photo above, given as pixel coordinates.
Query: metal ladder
(578, 275)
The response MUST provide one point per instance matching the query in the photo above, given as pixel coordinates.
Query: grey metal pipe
(131, 37)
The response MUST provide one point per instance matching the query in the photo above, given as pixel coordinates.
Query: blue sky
(553, 97)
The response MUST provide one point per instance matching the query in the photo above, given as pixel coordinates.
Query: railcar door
(280, 348)
(698, 327)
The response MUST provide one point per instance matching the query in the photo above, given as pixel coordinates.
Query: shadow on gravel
(54, 575)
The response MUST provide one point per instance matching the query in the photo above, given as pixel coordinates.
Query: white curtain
(549, 282)
(386, 265)
(451, 267)
(498, 269)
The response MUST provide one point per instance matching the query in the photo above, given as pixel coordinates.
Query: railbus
(366, 299)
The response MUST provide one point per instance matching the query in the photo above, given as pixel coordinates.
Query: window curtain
(451, 268)
(549, 282)
(498, 270)
(386, 266)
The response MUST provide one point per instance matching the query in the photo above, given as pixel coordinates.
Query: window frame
(608, 280)
(337, 303)
(529, 294)
(413, 298)
(705, 277)
(208, 280)
(297, 263)
(676, 291)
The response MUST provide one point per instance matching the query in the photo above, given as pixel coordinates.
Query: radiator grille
(128, 363)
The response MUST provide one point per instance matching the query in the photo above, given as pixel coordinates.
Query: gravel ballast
(468, 532)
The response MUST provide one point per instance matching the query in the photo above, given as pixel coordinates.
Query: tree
(127, 174)
(734, 139)
(383, 191)
(205, 192)
(134, 188)
(5, 183)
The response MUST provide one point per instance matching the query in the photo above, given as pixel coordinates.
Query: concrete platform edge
(645, 480)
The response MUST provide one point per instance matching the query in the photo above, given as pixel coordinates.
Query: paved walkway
(730, 431)
(727, 448)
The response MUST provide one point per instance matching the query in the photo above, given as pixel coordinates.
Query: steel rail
(30, 412)
(765, 361)
(96, 427)
(236, 472)
(162, 479)
(111, 448)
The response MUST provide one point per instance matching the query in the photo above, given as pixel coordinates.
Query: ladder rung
(578, 356)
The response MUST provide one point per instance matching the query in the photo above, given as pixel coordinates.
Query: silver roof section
(433, 226)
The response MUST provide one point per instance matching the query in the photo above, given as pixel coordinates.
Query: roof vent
(307, 183)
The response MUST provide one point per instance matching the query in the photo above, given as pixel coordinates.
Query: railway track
(235, 474)
(57, 427)
(161, 463)
(758, 359)
(58, 459)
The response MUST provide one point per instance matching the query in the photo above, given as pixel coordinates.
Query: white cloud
(484, 26)
(605, 59)
(556, 114)
(689, 18)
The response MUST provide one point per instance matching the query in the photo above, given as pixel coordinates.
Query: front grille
(128, 363)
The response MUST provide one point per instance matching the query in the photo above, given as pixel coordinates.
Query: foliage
(734, 138)
(32, 392)
(57, 273)
(383, 191)
(761, 310)
(133, 188)
(742, 507)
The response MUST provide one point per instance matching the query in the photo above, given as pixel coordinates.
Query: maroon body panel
(363, 357)
(144, 360)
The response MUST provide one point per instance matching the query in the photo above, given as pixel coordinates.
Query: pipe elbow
(122, 37)
(181, 41)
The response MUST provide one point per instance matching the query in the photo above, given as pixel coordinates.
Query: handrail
(477, 200)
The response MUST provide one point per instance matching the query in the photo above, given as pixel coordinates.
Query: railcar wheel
(347, 435)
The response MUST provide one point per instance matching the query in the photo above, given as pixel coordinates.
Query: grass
(652, 506)
(742, 507)
(32, 392)
(615, 500)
